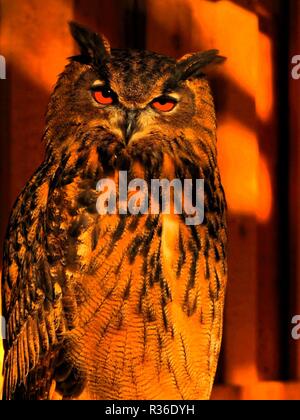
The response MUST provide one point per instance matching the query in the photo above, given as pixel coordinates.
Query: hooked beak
(130, 124)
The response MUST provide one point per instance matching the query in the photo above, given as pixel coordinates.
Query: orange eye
(104, 95)
(164, 104)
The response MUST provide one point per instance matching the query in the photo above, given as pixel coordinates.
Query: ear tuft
(192, 65)
(93, 47)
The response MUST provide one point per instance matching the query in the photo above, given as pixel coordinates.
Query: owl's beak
(130, 124)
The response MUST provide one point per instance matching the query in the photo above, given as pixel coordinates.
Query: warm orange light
(244, 171)
(242, 52)
(264, 89)
(39, 50)
(238, 160)
(264, 192)
(236, 38)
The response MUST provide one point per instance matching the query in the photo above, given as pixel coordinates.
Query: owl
(117, 305)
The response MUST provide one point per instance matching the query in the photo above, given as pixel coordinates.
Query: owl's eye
(104, 95)
(164, 103)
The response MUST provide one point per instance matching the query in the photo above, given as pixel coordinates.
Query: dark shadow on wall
(122, 22)
(174, 36)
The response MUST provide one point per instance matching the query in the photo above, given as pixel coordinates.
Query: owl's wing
(32, 296)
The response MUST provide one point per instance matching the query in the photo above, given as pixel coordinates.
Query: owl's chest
(133, 335)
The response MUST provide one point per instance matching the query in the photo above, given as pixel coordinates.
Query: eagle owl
(117, 306)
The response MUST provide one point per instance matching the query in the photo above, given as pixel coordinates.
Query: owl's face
(135, 106)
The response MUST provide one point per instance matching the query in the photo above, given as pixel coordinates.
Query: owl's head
(134, 106)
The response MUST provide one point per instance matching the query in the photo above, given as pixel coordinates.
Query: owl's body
(117, 306)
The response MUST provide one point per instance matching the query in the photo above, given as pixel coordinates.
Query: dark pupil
(106, 93)
(163, 100)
